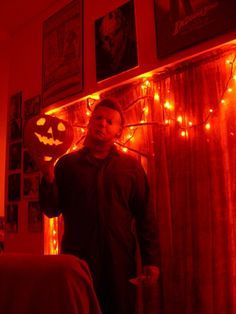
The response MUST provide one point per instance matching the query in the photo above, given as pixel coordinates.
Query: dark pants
(111, 275)
(115, 293)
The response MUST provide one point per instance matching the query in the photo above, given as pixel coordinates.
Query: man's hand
(151, 274)
(46, 167)
(48, 172)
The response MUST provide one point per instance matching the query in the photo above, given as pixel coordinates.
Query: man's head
(106, 122)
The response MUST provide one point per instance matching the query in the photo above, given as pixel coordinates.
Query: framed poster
(182, 23)
(15, 106)
(63, 54)
(116, 46)
(15, 156)
(31, 186)
(14, 187)
(15, 129)
(35, 217)
(29, 164)
(11, 218)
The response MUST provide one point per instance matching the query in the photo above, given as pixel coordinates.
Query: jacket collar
(113, 151)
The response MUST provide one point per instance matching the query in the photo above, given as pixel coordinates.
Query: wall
(25, 74)
(25, 53)
(27, 48)
(4, 77)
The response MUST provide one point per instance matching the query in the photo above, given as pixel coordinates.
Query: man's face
(104, 125)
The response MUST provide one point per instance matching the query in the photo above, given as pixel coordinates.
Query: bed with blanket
(46, 284)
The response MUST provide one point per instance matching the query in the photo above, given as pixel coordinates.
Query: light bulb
(207, 126)
(147, 83)
(180, 119)
(184, 133)
(156, 96)
(168, 106)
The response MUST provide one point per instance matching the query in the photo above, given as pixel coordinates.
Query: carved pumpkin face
(48, 137)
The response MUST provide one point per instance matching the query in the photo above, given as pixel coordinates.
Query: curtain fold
(196, 188)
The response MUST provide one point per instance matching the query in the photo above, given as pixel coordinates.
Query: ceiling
(16, 13)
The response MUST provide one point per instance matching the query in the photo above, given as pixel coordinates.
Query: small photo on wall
(14, 187)
(35, 217)
(11, 218)
(15, 132)
(15, 106)
(29, 164)
(15, 156)
(31, 186)
(116, 45)
(32, 107)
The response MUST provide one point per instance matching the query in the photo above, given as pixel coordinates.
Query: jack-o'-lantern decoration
(47, 137)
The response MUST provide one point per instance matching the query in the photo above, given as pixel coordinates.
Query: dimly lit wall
(4, 77)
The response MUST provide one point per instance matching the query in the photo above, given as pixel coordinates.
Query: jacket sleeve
(48, 198)
(146, 220)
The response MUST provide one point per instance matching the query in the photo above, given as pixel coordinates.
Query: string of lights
(168, 119)
(184, 124)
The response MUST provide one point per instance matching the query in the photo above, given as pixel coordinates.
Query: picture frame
(15, 106)
(31, 186)
(35, 217)
(115, 42)
(32, 107)
(29, 164)
(11, 220)
(62, 72)
(14, 187)
(15, 129)
(15, 156)
(181, 24)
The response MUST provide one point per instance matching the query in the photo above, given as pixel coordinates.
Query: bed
(43, 284)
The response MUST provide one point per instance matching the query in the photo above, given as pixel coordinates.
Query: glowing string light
(157, 97)
(180, 119)
(207, 126)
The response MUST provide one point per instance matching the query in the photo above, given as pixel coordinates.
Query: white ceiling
(15, 13)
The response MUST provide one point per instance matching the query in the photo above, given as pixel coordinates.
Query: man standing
(100, 193)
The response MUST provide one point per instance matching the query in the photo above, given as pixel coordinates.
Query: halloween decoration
(47, 137)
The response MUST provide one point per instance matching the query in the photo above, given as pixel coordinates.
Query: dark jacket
(99, 201)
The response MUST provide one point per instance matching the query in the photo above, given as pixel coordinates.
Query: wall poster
(182, 23)
(62, 54)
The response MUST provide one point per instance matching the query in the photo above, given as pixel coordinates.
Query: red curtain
(196, 182)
